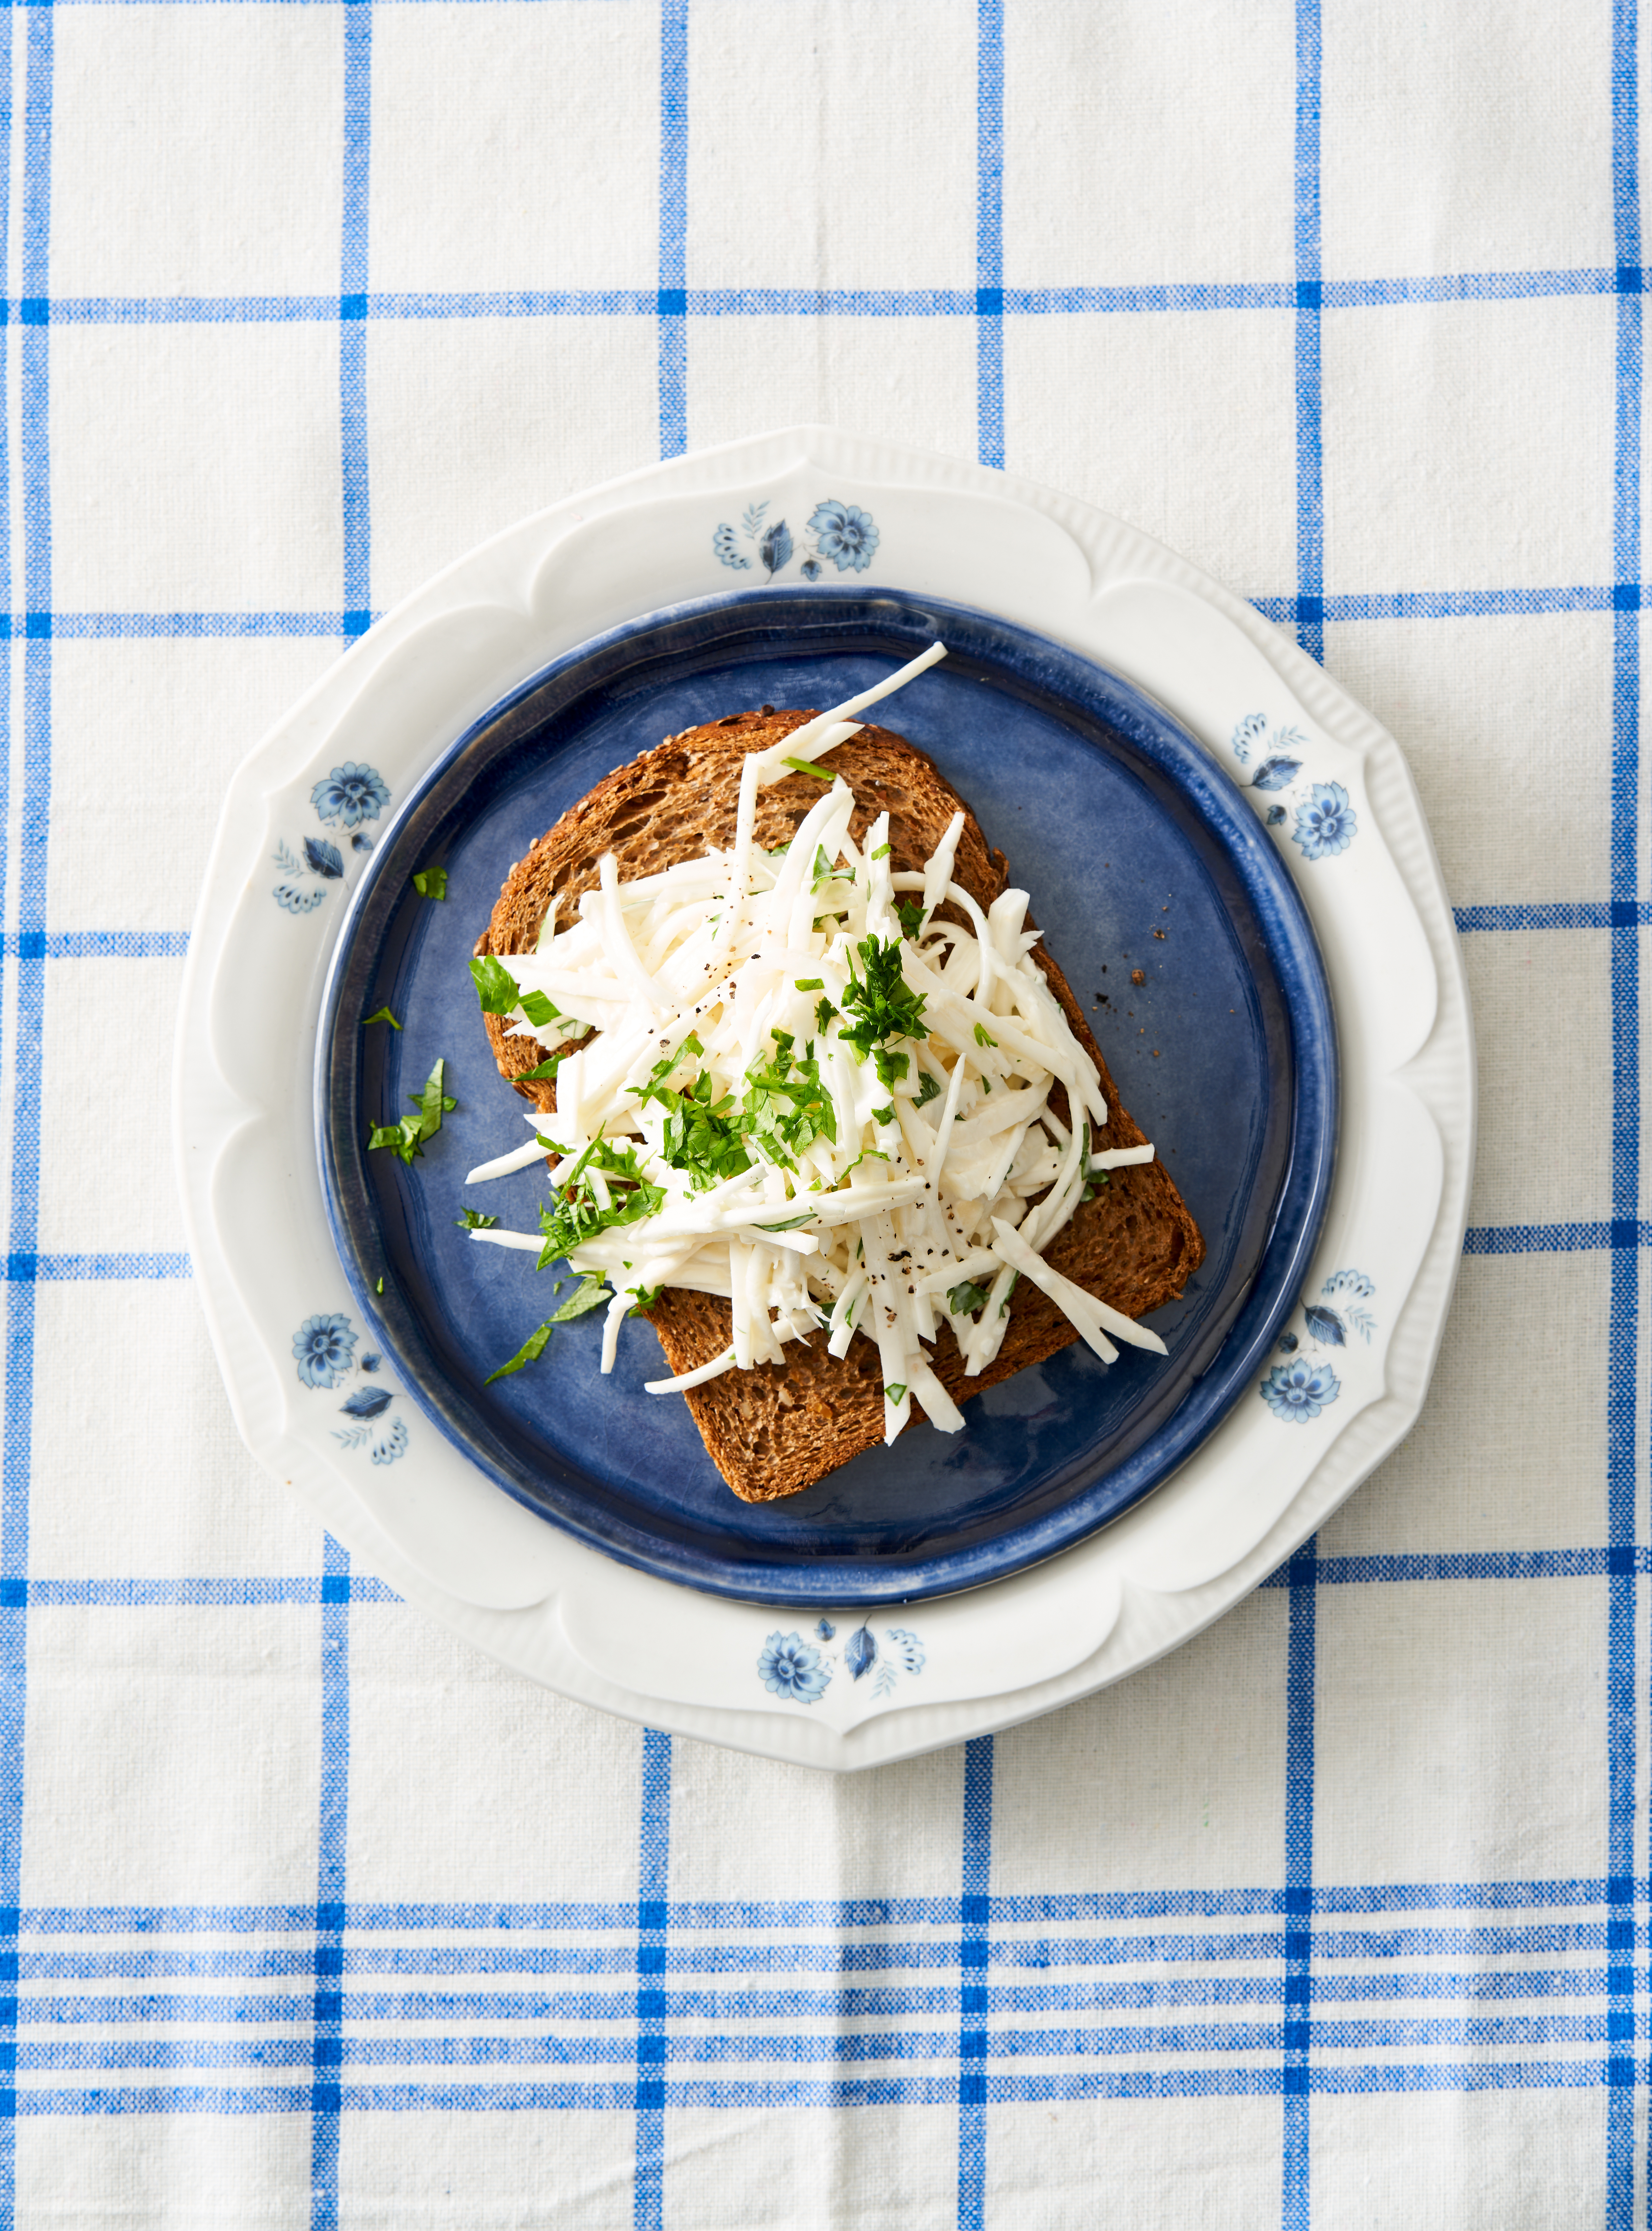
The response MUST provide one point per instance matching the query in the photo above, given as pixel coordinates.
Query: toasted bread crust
(776, 1430)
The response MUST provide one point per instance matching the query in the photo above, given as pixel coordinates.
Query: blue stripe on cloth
(326, 2003)
(989, 233)
(1462, 1565)
(1298, 1946)
(206, 1589)
(1470, 2032)
(35, 455)
(353, 328)
(1418, 604)
(648, 2004)
(1028, 302)
(13, 1533)
(1559, 914)
(946, 1914)
(1624, 1329)
(974, 1956)
(129, 627)
(1310, 459)
(1448, 604)
(752, 2097)
(1621, 1234)
(104, 944)
(670, 304)
(68, 1270)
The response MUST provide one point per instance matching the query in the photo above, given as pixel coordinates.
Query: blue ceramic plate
(1120, 826)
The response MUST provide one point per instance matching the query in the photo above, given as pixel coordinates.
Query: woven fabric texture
(308, 1917)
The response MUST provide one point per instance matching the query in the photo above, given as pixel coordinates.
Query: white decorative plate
(322, 1412)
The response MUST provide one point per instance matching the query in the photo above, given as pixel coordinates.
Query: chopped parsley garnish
(383, 1016)
(431, 883)
(471, 1219)
(808, 766)
(495, 985)
(882, 852)
(891, 1067)
(911, 917)
(927, 1090)
(701, 1137)
(964, 1300)
(895, 1395)
(981, 1037)
(986, 1085)
(884, 1005)
(577, 1213)
(786, 1107)
(407, 1138)
(796, 1223)
(530, 1352)
(824, 1012)
(884, 1115)
(543, 1072)
(804, 984)
(538, 1010)
(823, 871)
(379, 1287)
(646, 1298)
(590, 1293)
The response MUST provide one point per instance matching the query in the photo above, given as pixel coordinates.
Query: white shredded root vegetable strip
(720, 991)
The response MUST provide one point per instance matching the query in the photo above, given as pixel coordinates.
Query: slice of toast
(774, 1431)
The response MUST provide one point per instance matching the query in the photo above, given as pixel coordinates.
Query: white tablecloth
(1338, 1915)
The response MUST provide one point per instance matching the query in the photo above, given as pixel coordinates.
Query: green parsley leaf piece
(884, 1005)
(895, 1395)
(804, 984)
(986, 1085)
(578, 1215)
(434, 1102)
(965, 1299)
(796, 1223)
(911, 917)
(496, 986)
(530, 1352)
(383, 1016)
(379, 1287)
(543, 1072)
(786, 1107)
(981, 1037)
(824, 1012)
(927, 1090)
(431, 883)
(891, 1067)
(882, 852)
(404, 1138)
(590, 1293)
(538, 1010)
(884, 1115)
(808, 766)
(471, 1219)
(822, 869)
(646, 1298)
(1003, 1306)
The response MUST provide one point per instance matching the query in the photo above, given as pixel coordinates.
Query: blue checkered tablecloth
(311, 1918)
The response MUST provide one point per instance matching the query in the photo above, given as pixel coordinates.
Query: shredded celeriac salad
(807, 1094)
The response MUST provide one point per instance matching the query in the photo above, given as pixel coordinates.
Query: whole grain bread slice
(776, 1430)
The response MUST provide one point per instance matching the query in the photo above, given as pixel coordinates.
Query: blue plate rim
(1300, 1206)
